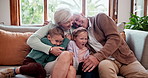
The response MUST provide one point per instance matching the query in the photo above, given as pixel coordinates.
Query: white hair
(62, 15)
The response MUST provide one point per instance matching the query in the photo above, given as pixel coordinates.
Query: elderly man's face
(80, 21)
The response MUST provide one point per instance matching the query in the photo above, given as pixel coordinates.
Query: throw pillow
(13, 47)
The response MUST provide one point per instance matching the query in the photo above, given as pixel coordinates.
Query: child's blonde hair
(77, 31)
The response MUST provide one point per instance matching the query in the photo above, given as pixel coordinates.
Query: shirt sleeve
(34, 41)
(70, 46)
(110, 37)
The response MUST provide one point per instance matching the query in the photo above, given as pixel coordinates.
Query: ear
(74, 38)
(49, 37)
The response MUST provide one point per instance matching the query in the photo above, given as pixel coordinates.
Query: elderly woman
(61, 67)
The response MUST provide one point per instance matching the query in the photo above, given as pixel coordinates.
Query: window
(26, 12)
(74, 5)
(97, 6)
(92, 6)
(31, 12)
(139, 7)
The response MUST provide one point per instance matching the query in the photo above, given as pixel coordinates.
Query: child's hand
(56, 50)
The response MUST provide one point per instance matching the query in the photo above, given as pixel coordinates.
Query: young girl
(80, 49)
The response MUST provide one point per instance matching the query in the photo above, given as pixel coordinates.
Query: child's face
(81, 39)
(56, 39)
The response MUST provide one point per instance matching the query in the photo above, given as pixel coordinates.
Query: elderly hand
(56, 51)
(90, 63)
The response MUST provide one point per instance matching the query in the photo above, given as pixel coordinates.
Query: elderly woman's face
(67, 25)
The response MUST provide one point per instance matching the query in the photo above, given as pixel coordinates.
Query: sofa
(138, 42)
(13, 47)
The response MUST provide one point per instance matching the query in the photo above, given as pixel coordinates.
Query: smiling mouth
(75, 25)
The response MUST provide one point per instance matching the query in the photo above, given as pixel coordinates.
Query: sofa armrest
(138, 42)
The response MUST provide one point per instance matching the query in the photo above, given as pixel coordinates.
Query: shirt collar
(90, 25)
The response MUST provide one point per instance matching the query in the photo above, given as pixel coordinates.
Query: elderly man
(113, 56)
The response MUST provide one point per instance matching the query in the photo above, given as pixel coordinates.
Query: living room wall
(5, 12)
(123, 11)
(124, 7)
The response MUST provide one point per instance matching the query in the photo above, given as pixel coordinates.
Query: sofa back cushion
(13, 47)
(138, 42)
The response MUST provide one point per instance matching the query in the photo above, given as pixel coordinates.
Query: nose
(57, 43)
(84, 41)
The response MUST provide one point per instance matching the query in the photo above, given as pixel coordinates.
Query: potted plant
(137, 23)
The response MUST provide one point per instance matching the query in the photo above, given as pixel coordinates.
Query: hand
(90, 63)
(56, 51)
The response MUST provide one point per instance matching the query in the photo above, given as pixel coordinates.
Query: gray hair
(62, 15)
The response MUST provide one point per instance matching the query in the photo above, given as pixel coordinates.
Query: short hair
(56, 31)
(62, 15)
(77, 31)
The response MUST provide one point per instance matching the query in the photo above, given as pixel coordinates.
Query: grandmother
(63, 19)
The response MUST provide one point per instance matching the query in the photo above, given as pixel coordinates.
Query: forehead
(76, 16)
(57, 37)
(83, 34)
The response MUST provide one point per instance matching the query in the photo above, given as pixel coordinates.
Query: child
(80, 49)
(35, 61)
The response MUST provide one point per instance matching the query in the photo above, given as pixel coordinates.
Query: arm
(62, 47)
(70, 46)
(107, 34)
(109, 37)
(35, 42)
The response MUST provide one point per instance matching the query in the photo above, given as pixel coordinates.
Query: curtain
(15, 12)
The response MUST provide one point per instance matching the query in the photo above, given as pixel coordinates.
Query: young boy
(81, 51)
(35, 61)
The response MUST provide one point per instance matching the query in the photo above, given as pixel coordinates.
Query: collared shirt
(92, 40)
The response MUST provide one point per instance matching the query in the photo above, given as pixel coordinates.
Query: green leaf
(137, 23)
